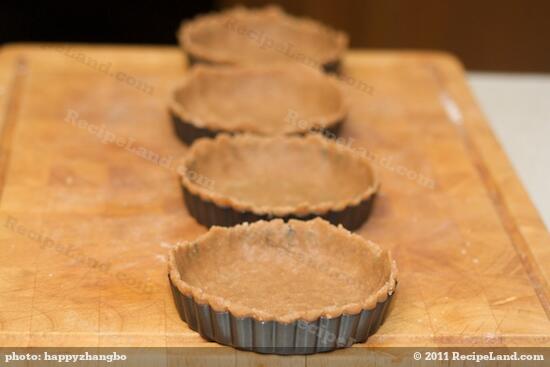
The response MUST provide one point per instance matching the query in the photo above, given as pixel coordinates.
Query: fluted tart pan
(244, 178)
(242, 36)
(287, 288)
(265, 100)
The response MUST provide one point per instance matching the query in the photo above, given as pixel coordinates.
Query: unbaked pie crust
(263, 35)
(244, 178)
(266, 100)
(285, 276)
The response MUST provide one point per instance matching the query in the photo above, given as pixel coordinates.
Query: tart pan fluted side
(330, 67)
(210, 214)
(188, 132)
(273, 337)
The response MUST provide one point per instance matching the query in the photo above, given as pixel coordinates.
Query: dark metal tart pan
(272, 337)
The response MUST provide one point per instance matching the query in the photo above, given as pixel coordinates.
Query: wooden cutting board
(90, 202)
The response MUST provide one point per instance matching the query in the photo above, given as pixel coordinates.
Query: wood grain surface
(90, 203)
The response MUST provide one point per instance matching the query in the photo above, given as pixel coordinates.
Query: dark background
(506, 35)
